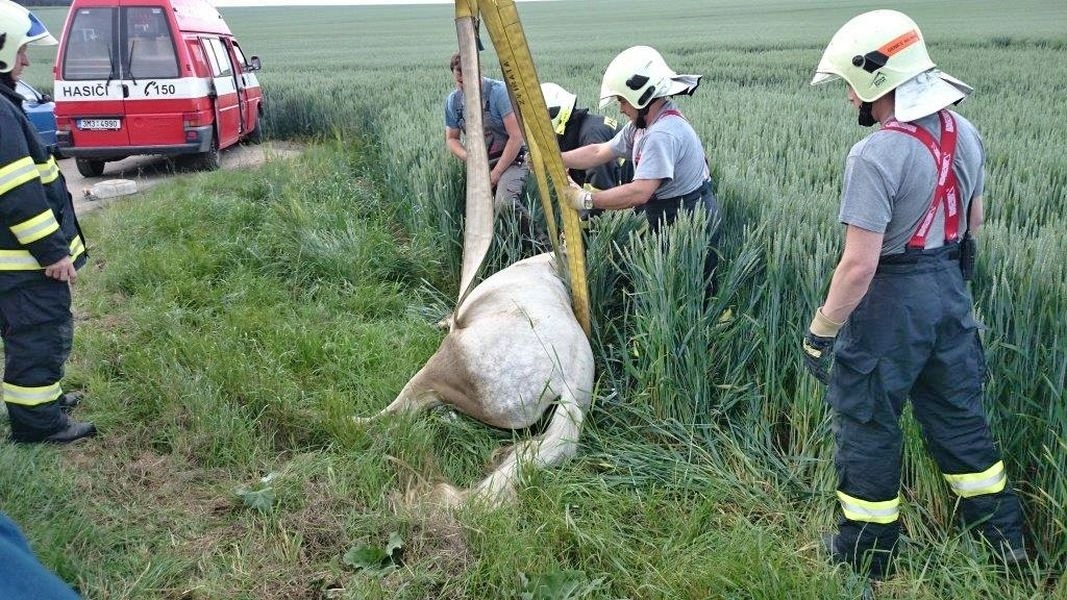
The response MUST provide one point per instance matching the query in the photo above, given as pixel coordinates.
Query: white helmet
(883, 50)
(560, 105)
(19, 27)
(639, 74)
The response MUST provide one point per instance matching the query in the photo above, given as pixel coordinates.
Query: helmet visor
(821, 78)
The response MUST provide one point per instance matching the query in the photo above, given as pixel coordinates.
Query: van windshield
(94, 49)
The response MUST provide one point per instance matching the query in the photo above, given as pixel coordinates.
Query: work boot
(74, 430)
(873, 569)
(827, 542)
(68, 401)
(1015, 561)
(1016, 556)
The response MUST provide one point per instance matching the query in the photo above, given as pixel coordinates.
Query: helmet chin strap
(866, 116)
(641, 114)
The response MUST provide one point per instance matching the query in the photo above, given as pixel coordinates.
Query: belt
(521, 158)
(688, 201)
(911, 256)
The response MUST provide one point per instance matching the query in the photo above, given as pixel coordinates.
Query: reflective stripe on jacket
(38, 226)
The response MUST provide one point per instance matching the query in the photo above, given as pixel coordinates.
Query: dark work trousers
(38, 331)
(665, 212)
(913, 336)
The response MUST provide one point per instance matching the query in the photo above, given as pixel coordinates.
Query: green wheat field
(230, 323)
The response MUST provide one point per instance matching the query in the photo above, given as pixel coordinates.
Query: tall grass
(705, 471)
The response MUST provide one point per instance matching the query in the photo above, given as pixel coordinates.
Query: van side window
(149, 45)
(88, 53)
(196, 52)
(216, 55)
(241, 60)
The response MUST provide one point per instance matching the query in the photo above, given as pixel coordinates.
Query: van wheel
(207, 161)
(90, 167)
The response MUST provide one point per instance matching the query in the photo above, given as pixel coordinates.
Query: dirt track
(147, 171)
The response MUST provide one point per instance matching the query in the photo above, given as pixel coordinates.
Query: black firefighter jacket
(37, 221)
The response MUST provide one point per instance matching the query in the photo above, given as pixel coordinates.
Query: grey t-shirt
(668, 149)
(890, 179)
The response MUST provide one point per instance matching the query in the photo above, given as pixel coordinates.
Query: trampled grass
(229, 326)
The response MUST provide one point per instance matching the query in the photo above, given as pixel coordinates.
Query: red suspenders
(946, 192)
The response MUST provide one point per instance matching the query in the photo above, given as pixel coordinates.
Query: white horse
(513, 350)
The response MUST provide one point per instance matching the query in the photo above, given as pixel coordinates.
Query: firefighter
(41, 248)
(577, 127)
(670, 170)
(897, 322)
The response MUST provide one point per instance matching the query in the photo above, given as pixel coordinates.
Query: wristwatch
(587, 200)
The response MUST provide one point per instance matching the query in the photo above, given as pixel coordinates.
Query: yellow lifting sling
(501, 20)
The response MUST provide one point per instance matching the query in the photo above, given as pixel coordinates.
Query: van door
(223, 92)
(247, 87)
(88, 89)
(156, 96)
(119, 79)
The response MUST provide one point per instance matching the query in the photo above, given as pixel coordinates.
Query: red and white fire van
(152, 77)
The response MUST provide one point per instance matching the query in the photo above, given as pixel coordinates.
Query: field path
(147, 171)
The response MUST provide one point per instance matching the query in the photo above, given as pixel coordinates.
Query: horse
(513, 350)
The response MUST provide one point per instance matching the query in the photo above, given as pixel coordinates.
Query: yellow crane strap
(501, 19)
(541, 174)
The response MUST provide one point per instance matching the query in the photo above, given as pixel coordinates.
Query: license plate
(99, 124)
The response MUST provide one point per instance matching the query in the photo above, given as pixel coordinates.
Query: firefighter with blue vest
(503, 143)
(898, 323)
(41, 249)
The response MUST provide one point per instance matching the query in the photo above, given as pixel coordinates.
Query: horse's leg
(445, 378)
(558, 443)
(416, 398)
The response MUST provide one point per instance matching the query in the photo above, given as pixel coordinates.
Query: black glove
(818, 345)
(818, 354)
